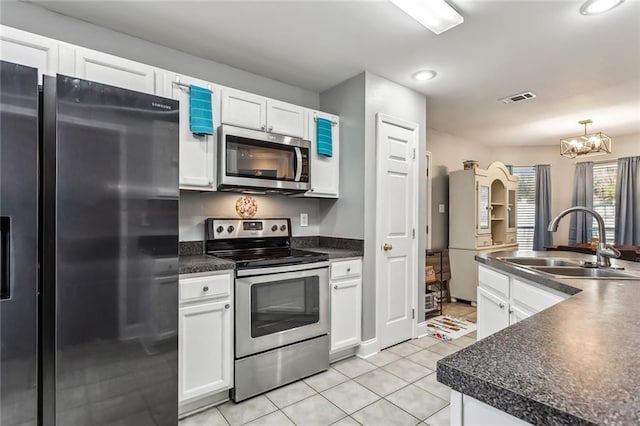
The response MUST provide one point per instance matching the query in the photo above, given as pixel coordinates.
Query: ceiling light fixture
(585, 145)
(424, 75)
(594, 7)
(436, 15)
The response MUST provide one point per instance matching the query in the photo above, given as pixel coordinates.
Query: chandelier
(585, 145)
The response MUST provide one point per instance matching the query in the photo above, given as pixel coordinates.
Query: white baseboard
(421, 330)
(368, 348)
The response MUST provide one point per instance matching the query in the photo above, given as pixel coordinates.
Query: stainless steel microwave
(251, 160)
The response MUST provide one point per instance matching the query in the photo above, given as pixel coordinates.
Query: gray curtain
(541, 236)
(628, 201)
(581, 223)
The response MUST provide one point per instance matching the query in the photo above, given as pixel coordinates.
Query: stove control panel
(216, 229)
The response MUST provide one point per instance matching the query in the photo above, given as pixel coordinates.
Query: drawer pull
(205, 289)
(348, 269)
(502, 306)
(227, 306)
(335, 287)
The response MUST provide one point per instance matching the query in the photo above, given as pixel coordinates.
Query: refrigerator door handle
(5, 257)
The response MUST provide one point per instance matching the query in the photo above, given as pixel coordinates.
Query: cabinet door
(517, 314)
(325, 171)
(531, 298)
(484, 207)
(115, 71)
(243, 109)
(284, 118)
(346, 308)
(493, 314)
(28, 49)
(205, 349)
(197, 156)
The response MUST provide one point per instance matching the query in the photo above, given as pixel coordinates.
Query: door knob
(387, 247)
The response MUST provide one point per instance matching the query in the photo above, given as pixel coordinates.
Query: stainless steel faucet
(603, 251)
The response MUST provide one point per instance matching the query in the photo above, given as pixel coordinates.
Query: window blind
(604, 197)
(526, 205)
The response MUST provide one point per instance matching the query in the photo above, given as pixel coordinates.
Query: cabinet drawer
(483, 241)
(205, 287)
(496, 281)
(345, 269)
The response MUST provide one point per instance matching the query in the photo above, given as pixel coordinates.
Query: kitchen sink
(540, 261)
(579, 272)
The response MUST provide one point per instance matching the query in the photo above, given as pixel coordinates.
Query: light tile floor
(397, 386)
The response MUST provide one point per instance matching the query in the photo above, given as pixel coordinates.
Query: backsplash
(195, 207)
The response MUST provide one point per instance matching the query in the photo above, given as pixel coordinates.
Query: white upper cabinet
(325, 171)
(243, 109)
(251, 111)
(197, 153)
(21, 47)
(285, 119)
(108, 69)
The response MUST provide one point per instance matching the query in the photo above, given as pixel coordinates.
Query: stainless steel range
(282, 303)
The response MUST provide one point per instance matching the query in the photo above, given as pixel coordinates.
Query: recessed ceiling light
(424, 75)
(593, 7)
(436, 15)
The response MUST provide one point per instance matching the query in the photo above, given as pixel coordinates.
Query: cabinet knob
(335, 287)
(502, 306)
(311, 190)
(227, 306)
(205, 288)
(270, 128)
(510, 311)
(348, 269)
(263, 127)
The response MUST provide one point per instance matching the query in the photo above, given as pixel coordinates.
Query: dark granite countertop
(203, 263)
(577, 362)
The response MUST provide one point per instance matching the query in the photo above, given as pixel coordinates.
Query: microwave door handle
(298, 164)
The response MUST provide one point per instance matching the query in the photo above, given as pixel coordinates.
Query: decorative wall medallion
(246, 207)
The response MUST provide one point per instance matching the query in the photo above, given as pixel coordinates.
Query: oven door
(253, 159)
(280, 309)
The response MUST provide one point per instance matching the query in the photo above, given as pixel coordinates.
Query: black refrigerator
(89, 250)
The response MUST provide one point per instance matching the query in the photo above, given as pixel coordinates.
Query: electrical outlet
(441, 208)
(304, 219)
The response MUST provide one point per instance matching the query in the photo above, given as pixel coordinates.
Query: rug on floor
(446, 327)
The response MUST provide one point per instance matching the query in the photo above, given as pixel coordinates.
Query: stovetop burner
(256, 258)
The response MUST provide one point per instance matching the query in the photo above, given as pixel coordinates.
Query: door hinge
(427, 229)
(413, 313)
(413, 233)
(414, 153)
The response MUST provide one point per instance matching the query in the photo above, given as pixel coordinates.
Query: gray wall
(357, 101)
(344, 217)
(29, 17)
(195, 207)
(387, 97)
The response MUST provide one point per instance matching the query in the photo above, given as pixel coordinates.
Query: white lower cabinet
(504, 299)
(205, 348)
(346, 303)
(468, 411)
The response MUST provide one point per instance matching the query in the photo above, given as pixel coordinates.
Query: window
(526, 205)
(604, 197)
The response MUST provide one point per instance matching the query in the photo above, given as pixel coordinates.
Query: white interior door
(396, 221)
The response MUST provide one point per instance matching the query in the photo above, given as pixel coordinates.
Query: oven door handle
(302, 267)
(298, 164)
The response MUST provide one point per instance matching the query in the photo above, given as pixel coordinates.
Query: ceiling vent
(518, 97)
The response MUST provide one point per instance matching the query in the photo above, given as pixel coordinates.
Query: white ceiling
(579, 66)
